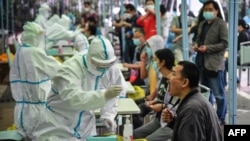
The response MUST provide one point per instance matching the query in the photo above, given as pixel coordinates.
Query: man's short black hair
(92, 29)
(166, 55)
(131, 7)
(86, 3)
(140, 30)
(191, 72)
(92, 20)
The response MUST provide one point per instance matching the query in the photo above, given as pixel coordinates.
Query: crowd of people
(55, 101)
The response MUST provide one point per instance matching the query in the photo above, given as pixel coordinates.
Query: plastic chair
(245, 59)
(10, 135)
(205, 91)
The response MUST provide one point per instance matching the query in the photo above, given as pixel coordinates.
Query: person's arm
(143, 66)
(44, 62)
(174, 26)
(118, 24)
(139, 21)
(68, 84)
(132, 66)
(113, 77)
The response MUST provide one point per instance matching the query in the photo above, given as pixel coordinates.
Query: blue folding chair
(10, 135)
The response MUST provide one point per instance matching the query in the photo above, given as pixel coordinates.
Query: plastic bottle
(128, 130)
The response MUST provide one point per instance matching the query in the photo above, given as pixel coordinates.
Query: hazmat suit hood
(44, 10)
(155, 42)
(32, 34)
(81, 43)
(100, 55)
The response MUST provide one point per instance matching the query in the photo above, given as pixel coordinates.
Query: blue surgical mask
(155, 67)
(202, 1)
(208, 15)
(136, 42)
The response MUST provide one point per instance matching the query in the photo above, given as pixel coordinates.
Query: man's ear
(185, 82)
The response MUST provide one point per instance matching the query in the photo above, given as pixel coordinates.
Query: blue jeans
(217, 86)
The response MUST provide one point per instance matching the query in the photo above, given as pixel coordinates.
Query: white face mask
(150, 7)
(86, 9)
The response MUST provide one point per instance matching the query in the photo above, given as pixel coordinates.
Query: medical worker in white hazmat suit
(83, 84)
(44, 12)
(59, 33)
(30, 79)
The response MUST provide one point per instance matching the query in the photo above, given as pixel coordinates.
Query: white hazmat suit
(43, 15)
(83, 84)
(30, 79)
(59, 33)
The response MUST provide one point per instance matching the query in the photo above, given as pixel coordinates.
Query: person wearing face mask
(211, 44)
(129, 22)
(59, 34)
(154, 43)
(90, 32)
(43, 15)
(140, 42)
(88, 11)
(83, 84)
(148, 21)
(153, 130)
(30, 79)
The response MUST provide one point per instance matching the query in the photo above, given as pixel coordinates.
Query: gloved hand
(113, 91)
(110, 125)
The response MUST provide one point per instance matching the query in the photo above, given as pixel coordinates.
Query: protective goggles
(103, 63)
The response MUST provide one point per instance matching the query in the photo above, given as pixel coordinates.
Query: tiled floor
(6, 115)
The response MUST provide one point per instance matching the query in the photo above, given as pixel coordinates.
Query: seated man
(196, 118)
(154, 131)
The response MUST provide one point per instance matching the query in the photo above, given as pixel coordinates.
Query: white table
(126, 106)
(130, 88)
(120, 66)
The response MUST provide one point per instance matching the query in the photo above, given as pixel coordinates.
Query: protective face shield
(208, 15)
(32, 34)
(100, 56)
(81, 43)
(65, 22)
